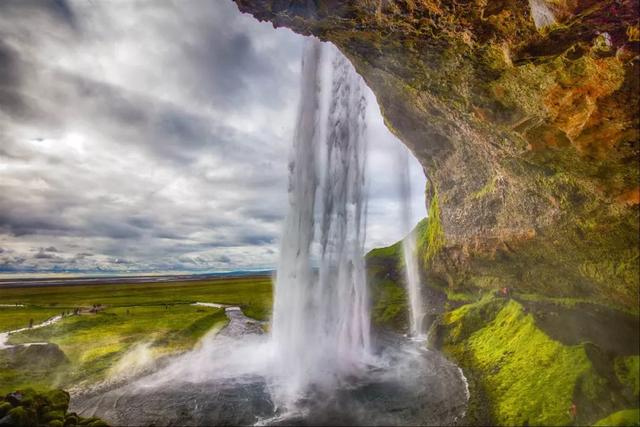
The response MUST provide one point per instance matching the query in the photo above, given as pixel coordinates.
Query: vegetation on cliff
(385, 270)
(529, 132)
(430, 234)
(628, 417)
(528, 358)
(45, 408)
(526, 376)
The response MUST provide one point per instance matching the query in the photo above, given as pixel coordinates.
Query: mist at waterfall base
(319, 364)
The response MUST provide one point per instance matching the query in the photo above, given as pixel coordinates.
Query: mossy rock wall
(529, 136)
(522, 376)
(28, 407)
(385, 277)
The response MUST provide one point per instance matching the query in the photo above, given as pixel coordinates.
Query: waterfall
(409, 249)
(414, 292)
(321, 319)
(542, 15)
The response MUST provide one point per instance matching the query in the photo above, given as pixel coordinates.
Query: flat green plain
(138, 324)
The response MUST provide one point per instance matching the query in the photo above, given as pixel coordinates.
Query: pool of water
(408, 385)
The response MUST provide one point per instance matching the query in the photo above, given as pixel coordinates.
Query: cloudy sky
(154, 136)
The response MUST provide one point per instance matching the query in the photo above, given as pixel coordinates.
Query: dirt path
(4, 336)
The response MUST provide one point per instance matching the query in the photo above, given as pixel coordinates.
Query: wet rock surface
(611, 330)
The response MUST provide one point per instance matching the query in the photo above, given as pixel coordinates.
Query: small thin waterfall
(409, 248)
(414, 291)
(321, 321)
(541, 13)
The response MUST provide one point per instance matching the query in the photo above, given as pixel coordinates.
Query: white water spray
(409, 249)
(317, 367)
(321, 321)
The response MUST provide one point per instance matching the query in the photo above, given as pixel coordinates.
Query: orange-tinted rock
(631, 197)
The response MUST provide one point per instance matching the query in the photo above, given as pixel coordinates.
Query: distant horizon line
(87, 274)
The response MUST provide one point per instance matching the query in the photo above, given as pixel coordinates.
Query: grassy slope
(526, 376)
(628, 372)
(141, 323)
(386, 281)
(629, 417)
(95, 344)
(506, 350)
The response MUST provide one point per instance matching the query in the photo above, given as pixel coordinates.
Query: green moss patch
(529, 378)
(28, 407)
(628, 372)
(526, 376)
(430, 232)
(386, 283)
(629, 417)
(390, 307)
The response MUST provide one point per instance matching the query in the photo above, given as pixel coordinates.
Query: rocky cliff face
(525, 118)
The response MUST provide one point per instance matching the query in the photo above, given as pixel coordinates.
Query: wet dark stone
(14, 398)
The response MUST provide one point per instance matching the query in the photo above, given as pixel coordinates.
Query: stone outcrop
(524, 115)
(31, 408)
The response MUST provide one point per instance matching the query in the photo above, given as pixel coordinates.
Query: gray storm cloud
(151, 136)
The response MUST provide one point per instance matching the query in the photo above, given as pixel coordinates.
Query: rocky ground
(31, 408)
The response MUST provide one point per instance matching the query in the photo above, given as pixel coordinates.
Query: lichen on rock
(29, 407)
(546, 114)
(526, 376)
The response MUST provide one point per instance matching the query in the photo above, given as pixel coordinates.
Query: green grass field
(252, 293)
(12, 318)
(141, 322)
